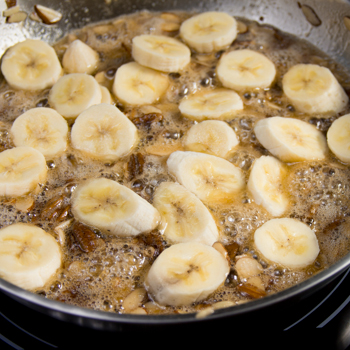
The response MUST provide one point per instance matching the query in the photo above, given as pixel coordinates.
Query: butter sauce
(319, 191)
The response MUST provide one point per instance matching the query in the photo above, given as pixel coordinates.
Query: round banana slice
(291, 140)
(137, 85)
(43, 129)
(113, 208)
(29, 256)
(211, 104)
(288, 242)
(31, 65)
(159, 52)
(73, 93)
(103, 132)
(184, 217)
(21, 170)
(266, 184)
(186, 273)
(243, 70)
(212, 179)
(80, 58)
(313, 89)
(209, 31)
(212, 137)
(338, 138)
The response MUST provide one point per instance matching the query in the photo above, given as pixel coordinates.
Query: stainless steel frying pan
(325, 24)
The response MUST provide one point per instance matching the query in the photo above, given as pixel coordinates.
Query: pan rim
(59, 309)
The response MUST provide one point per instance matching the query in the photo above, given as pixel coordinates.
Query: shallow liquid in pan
(319, 191)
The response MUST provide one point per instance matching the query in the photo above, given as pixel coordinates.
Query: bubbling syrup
(319, 191)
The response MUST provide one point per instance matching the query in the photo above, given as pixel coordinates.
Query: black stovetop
(321, 321)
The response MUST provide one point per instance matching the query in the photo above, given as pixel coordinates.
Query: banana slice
(186, 273)
(212, 137)
(288, 242)
(137, 85)
(43, 129)
(184, 217)
(211, 104)
(29, 256)
(106, 95)
(265, 184)
(104, 132)
(113, 208)
(212, 179)
(209, 31)
(159, 52)
(291, 140)
(243, 70)
(31, 65)
(313, 89)
(338, 138)
(21, 170)
(80, 58)
(73, 93)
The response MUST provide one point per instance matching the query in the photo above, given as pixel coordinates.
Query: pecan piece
(250, 290)
(85, 237)
(52, 208)
(135, 165)
(147, 119)
(153, 239)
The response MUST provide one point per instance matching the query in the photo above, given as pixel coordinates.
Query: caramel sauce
(101, 271)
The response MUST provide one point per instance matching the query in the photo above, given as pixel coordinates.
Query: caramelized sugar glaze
(100, 271)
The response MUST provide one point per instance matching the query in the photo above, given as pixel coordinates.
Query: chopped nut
(257, 282)
(147, 119)
(153, 308)
(204, 313)
(171, 17)
(48, 15)
(170, 27)
(310, 15)
(102, 29)
(164, 150)
(250, 290)
(24, 204)
(247, 267)
(60, 235)
(10, 11)
(223, 304)
(52, 208)
(34, 17)
(135, 165)
(86, 238)
(64, 213)
(347, 22)
(64, 225)
(11, 3)
(138, 311)
(241, 27)
(232, 250)
(272, 105)
(134, 300)
(17, 17)
(153, 239)
(149, 109)
(221, 249)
